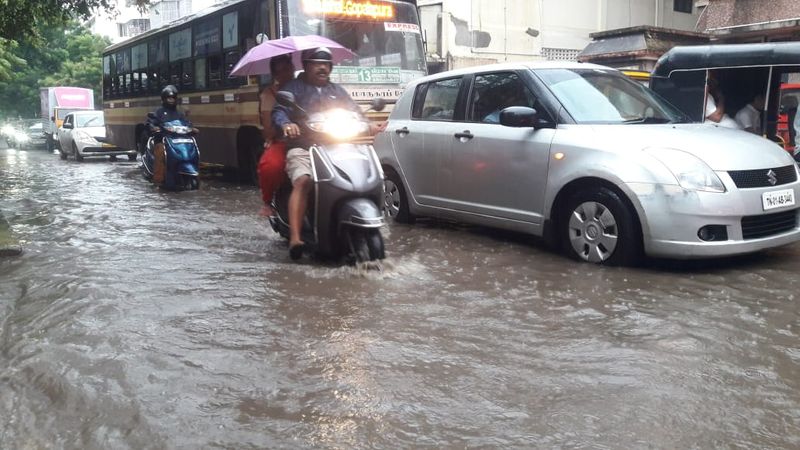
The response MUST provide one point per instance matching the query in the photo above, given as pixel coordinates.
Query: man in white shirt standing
(749, 117)
(796, 134)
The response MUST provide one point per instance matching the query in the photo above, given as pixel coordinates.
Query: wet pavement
(137, 318)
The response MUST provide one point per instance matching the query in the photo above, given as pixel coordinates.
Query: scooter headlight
(342, 124)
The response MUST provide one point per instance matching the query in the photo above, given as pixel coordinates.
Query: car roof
(528, 65)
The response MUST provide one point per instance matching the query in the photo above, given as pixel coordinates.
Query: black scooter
(344, 215)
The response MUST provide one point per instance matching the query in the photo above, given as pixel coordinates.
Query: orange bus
(197, 54)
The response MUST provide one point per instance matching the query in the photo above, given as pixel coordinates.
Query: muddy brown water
(142, 319)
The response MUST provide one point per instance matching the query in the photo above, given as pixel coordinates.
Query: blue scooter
(175, 168)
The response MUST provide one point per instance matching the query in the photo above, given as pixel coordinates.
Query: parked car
(83, 134)
(587, 158)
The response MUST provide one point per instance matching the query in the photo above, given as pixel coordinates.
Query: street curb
(9, 245)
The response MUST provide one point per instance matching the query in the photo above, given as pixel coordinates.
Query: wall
(495, 30)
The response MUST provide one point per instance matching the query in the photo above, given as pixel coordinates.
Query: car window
(493, 92)
(440, 100)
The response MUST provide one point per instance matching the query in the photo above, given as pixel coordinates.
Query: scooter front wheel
(365, 245)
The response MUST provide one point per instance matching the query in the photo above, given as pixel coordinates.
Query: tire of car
(395, 200)
(131, 157)
(598, 226)
(78, 156)
(62, 155)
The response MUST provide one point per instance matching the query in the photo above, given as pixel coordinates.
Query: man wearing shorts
(313, 92)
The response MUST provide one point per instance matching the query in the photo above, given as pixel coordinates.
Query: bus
(197, 54)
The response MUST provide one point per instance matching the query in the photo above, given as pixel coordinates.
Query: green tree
(58, 56)
(84, 68)
(23, 18)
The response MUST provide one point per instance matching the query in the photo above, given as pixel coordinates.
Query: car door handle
(402, 131)
(465, 135)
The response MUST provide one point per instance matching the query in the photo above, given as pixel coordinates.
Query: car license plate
(777, 199)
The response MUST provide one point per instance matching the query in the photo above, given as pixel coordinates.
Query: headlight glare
(690, 171)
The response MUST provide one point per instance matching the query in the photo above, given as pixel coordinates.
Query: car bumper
(674, 217)
(100, 149)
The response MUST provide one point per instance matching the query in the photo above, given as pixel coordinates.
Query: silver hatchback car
(585, 157)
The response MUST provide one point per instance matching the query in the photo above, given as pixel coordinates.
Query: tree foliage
(58, 56)
(24, 18)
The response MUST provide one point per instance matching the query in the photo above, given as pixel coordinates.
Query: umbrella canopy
(256, 60)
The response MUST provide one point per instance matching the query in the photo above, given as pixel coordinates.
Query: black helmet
(169, 91)
(319, 54)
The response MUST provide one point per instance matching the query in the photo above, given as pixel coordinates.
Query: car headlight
(84, 137)
(690, 171)
(21, 137)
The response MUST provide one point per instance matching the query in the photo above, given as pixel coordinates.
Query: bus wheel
(248, 169)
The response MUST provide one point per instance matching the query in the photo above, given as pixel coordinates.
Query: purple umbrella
(256, 60)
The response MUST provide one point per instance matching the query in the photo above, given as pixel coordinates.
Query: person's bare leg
(298, 202)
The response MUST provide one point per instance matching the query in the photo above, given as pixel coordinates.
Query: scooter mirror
(285, 98)
(151, 115)
(378, 104)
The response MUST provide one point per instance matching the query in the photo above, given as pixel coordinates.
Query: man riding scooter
(157, 165)
(313, 92)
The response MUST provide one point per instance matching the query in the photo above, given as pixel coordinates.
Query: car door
(495, 170)
(65, 133)
(420, 139)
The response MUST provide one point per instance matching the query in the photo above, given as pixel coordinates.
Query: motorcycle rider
(166, 113)
(314, 92)
(168, 110)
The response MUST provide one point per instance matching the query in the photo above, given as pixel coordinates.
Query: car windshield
(89, 120)
(35, 127)
(607, 97)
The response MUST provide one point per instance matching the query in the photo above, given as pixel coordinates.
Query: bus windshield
(392, 41)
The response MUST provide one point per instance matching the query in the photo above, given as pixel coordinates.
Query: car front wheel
(599, 227)
(78, 156)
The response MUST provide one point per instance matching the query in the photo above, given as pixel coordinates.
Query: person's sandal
(296, 252)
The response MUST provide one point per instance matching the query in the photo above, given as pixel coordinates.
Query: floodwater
(144, 319)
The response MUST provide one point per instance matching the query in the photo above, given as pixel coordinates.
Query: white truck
(59, 101)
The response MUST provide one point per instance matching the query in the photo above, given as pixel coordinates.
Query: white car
(83, 134)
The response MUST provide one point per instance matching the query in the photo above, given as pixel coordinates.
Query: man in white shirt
(796, 133)
(749, 117)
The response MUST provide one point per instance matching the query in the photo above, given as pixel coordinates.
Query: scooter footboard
(360, 212)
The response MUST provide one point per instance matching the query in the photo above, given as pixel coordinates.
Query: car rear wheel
(395, 200)
(131, 157)
(599, 227)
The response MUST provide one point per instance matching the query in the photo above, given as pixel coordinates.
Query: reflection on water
(144, 319)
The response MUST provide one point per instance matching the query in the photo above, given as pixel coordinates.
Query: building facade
(462, 33)
(743, 21)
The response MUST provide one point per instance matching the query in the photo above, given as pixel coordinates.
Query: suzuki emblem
(772, 177)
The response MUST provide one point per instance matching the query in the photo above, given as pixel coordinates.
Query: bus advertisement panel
(197, 54)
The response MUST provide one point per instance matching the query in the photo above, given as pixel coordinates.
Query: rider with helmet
(168, 110)
(314, 92)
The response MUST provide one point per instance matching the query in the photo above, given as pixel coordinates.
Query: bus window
(187, 76)
(231, 58)
(200, 73)
(214, 71)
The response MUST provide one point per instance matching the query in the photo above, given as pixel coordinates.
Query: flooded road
(143, 319)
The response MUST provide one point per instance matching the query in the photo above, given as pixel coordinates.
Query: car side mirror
(519, 117)
(67, 126)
